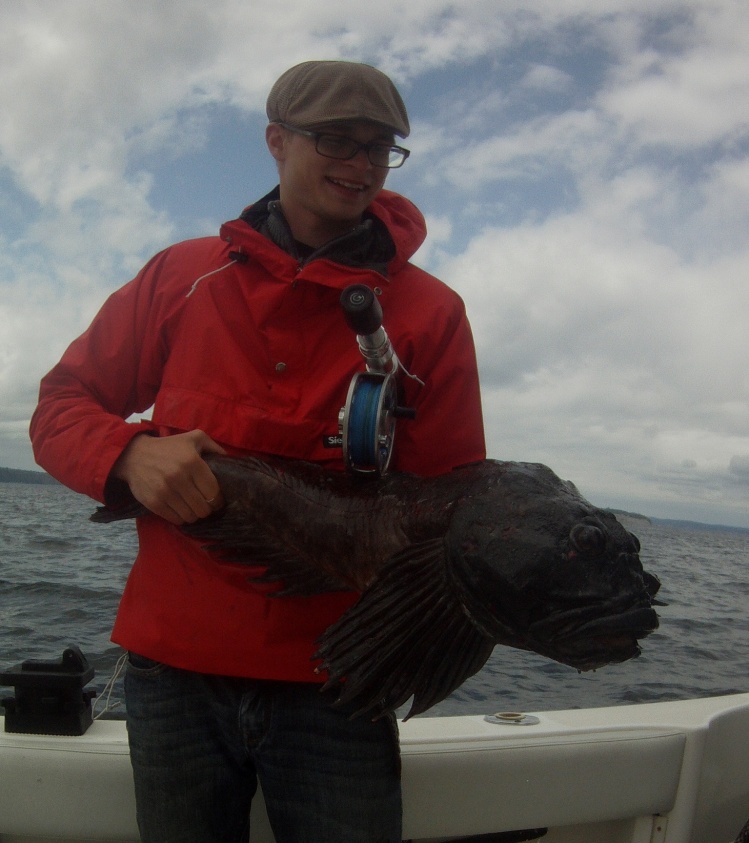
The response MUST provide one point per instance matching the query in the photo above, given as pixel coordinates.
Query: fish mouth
(587, 639)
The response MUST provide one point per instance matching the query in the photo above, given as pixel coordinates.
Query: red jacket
(233, 336)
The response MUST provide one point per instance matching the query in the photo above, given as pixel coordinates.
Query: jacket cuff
(116, 492)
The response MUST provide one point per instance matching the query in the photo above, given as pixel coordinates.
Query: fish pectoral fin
(406, 636)
(234, 540)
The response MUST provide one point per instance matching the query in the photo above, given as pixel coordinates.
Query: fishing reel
(367, 421)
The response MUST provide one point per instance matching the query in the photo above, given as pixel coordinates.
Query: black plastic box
(50, 698)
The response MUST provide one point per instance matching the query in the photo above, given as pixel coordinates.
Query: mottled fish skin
(449, 566)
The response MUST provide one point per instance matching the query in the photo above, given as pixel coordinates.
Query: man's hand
(169, 476)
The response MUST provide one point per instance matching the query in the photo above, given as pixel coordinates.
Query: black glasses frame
(355, 147)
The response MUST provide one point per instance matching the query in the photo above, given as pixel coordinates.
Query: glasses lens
(396, 156)
(380, 155)
(337, 146)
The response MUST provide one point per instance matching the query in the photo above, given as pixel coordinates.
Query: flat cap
(318, 92)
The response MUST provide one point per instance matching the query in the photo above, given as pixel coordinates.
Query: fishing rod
(367, 421)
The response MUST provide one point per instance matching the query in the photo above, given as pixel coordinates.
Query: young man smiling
(324, 197)
(239, 344)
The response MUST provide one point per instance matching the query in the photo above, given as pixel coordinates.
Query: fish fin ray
(109, 514)
(230, 537)
(379, 654)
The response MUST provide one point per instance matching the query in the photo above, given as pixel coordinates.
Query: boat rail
(667, 772)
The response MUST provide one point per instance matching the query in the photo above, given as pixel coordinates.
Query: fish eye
(587, 538)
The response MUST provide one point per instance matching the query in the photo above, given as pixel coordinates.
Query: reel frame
(367, 422)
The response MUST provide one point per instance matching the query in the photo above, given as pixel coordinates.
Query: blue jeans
(200, 743)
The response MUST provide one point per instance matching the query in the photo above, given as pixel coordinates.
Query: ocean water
(61, 577)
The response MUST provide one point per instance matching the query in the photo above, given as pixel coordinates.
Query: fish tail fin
(106, 514)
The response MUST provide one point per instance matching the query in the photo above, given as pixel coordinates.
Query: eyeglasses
(343, 148)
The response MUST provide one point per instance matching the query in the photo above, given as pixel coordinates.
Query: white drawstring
(207, 275)
(226, 266)
(108, 688)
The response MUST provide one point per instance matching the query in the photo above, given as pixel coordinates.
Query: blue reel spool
(368, 422)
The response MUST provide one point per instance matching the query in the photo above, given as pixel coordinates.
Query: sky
(583, 168)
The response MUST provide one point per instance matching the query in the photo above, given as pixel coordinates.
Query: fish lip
(571, 616)
(598, 652)
(652, 584)
(588, 638)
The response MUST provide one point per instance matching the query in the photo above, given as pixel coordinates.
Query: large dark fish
(450, 566)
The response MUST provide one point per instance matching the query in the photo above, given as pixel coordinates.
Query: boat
(663, 772)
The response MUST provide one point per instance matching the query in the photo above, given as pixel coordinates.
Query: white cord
(226, 266)
(207, 275)
(413, 377)
(108, 688)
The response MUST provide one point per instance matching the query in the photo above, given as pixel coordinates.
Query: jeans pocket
(143, 666)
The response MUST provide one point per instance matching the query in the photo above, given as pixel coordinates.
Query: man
(240, 345)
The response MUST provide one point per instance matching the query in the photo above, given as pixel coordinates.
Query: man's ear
(276, 138)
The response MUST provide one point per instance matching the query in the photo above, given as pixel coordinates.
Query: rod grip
(362, 310)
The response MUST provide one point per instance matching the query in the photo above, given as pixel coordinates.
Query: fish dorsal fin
(233, 539)
(314, 529)
(406, 636)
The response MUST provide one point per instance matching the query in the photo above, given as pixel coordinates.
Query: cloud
(547, 78)
(690, 92)
(584, 172)
(593, 339)
(739, 467)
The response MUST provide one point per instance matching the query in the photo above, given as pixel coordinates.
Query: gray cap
(318, 92)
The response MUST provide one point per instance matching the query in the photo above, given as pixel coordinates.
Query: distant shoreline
(623, 516)
(636, 515)
(41, 478)
(18, 475)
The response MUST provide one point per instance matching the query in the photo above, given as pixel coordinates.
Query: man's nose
(361, 159)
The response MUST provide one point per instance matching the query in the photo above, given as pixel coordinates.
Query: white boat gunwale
(664, 772)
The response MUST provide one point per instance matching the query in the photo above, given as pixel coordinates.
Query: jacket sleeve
(110, 372)
(448, 430)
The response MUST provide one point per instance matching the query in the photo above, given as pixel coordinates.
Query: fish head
(538, 567)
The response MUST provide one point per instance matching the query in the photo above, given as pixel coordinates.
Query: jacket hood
(403, 220)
